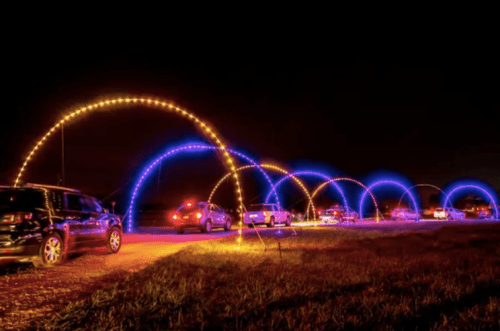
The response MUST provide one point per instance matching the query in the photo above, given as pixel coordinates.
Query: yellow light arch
(270, 167)
(322, 185)
(152, 103)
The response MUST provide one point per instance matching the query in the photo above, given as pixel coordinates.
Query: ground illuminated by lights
(336, 276)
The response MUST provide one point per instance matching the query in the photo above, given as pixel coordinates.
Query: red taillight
(175, 217)
(199, 215)
(189, 204)
(16, 218)
(334, 213)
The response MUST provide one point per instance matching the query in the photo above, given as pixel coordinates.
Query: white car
(266, 214)
(449, 214)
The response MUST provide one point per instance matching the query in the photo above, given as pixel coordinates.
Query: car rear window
(21, 200)
(260, 208)
(186, 208)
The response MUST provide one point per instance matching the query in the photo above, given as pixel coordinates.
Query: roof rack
(52, 187)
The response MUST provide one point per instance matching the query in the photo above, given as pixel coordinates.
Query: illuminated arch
(265, 166)
(171, 152)
(320, 187)
(153, 103)
(307, 173)
(386, 182)
(419, 185)
(476, 187)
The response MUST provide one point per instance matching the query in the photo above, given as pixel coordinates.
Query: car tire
(207, 227)
(250, 225)
(114, 241)
(227, 225)
(288, 221)
(271, 223)
(179, 230)
(51, 251)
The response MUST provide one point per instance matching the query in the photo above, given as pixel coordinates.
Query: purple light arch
(386, 182)
(469, 186)
(307, 173)
(173, 151)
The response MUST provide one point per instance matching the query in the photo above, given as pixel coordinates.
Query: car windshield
(20, 200)
(260, 208)
(191, 206)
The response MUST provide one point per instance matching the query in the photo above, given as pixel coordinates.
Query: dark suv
(42, 224)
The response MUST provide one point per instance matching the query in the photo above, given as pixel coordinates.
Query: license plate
(185, 217)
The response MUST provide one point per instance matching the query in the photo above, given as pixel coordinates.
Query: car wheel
(207, 227)
(288, 221)
(271, 223)
(51, 251)
(114, 240)
(179, 230)
(227, 226)
(250, 225)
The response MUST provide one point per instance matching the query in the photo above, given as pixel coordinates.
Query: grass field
(320, 279)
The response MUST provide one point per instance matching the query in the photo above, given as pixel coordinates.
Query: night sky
(432, 121)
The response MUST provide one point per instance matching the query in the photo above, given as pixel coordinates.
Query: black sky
(433, 120)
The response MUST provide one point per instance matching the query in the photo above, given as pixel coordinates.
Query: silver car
(339, 214)
(405, 214)
(449, 214)
(201, 215)
(267, 214)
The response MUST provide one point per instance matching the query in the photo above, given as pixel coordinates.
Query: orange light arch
(270, 167)
(114, 104)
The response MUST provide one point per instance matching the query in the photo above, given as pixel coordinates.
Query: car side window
(75, 202)
(211, 208)
(57, 200)
(96, 206)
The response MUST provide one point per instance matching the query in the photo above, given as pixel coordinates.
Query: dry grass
(318, 280)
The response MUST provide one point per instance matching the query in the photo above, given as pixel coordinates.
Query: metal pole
(62, 148)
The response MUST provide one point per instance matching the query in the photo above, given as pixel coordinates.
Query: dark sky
(432, 121)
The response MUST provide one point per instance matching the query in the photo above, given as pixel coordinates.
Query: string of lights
(385, 182)
(321, 186)
(149, 102)
(195, 147)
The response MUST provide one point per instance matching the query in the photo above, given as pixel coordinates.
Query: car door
(94, 225)
(218, 215)
(75, 218)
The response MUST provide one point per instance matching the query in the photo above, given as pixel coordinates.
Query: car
(405, 214)
(43, 224)
(339, 214)
(268, 214)
(449, 214)
(485, 214)
(201, 215)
